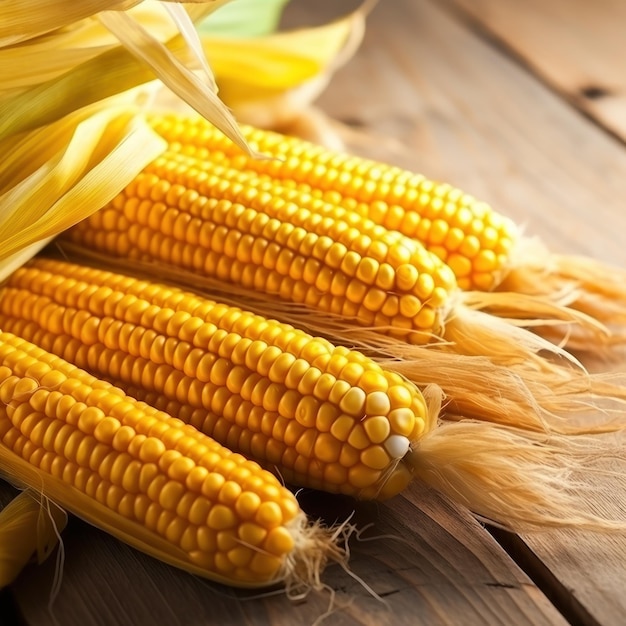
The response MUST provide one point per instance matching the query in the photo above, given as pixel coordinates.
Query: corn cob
(322, 257)
(465, 233)
(484, 249)
(146, 477)
(180, 216)
(322, 416)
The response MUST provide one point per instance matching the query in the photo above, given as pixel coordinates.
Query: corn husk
(30, 527)
(56, 175)
(69, 107)
(272, 81)
(100, 36)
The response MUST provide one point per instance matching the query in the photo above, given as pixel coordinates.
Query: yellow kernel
(221, 517)
(460, 265)
(288, 404)
(327, 415)
(279, 541)
(327, 448)
(106, 429)
(377, 428)
(323, 386)
(377, 403)
(375, 457)
(360, 476)
(470, 246)
(342, 427)
(394, 483)
(247, 504)
(296, 372)
(175, 530)
(180, 468)
(269, 515)
(410, 306)
(426, 319)
(307, 410)
(251, 533)
(170, 494)
(335, 474)
(358, 438)
(122, 438)
(265, 564)
(240, 556)
(353, 401)
(196, 476)
(485, 261)
(188, 540)
(212, 484)
(400, 396)
(367, 270)
(199, 511)
(339, 389)
(305, 442)
(151, 450)
(402, 421)
(281, 366)
(406, 277)
(229, 493)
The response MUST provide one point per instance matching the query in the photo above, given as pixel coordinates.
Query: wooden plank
(431, 96)
(441, 568)
(578, 47)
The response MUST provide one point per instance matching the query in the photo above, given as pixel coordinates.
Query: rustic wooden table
(522, 104)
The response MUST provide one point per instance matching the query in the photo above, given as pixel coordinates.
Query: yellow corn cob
(465, 233)
(320, 415)
(261, 236)
(146, 477)
(324, 257)
(484, 249)
(323, 416)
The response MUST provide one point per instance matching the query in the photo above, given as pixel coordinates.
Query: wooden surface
(435, 89)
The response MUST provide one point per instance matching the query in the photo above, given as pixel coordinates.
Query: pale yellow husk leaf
(21, 20)
(30, 526)
(48, 56)
(55, 176)
(72, 79)
(268, 81)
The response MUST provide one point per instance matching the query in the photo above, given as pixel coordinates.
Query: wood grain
(577, 47)
(430, 95)
(428, 560)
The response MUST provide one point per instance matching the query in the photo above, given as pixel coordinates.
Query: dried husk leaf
(55, 176)
(269, 80)
(21, 20)
(29, 527)
(70, 80)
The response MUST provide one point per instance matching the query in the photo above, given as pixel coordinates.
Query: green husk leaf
(244, 18)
